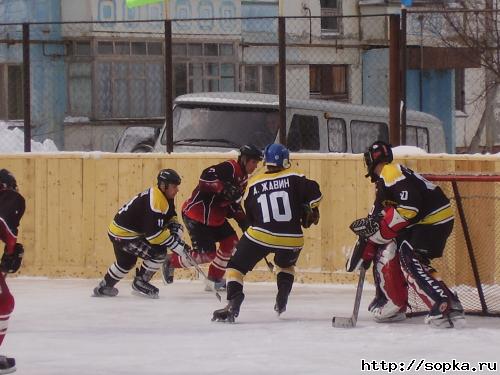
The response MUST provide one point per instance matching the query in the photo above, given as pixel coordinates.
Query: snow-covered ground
(58, 329)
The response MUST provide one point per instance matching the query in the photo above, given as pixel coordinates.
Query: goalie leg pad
(391, 283)
(421, 277)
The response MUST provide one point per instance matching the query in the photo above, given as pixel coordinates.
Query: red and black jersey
(12, 206)
(147, 215)
(416, 200)
(207, 204)
(274, 205)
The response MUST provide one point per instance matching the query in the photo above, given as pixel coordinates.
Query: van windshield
(223, 126)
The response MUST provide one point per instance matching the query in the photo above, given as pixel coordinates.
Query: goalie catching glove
(310, 216)
(11, 263)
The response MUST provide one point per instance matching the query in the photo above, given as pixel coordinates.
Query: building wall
(47, 66)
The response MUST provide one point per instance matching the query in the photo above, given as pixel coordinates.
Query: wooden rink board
(72, 197)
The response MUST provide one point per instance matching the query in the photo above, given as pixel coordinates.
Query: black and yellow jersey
(274, 205)
(146, 215)
(416, 199)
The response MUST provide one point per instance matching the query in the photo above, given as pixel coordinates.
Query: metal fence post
(404, 67)
(282, 78)
(394, 77)
(169, 129)
(26, 87)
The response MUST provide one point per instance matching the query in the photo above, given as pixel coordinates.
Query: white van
(222, 121)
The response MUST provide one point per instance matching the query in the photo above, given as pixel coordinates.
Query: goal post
(470, 265)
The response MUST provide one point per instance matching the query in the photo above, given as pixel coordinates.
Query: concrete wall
(71, 198)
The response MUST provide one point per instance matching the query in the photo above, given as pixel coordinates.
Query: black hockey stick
(339, 322)
(202, 273)
(269, 265)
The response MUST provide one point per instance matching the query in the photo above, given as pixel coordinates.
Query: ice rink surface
(58, 329)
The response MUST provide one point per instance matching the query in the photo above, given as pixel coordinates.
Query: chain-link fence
(103, 86)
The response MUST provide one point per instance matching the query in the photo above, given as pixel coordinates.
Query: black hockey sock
(234, 289)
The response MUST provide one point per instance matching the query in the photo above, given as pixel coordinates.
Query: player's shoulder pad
(157, 200)
(391, 174)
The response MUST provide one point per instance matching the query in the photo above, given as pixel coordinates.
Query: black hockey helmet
(251, 152)
(169, 176)
(7, 180)
(378, 152)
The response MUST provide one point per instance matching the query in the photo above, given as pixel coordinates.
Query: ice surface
(57, 328)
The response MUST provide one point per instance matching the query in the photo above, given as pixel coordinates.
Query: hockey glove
(231, 193)
(237, 213)
(310, 216)
(11, 263)
(175, 228)
(364, 227)
(362, 255)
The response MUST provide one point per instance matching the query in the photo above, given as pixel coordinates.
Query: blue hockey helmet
(277, 155)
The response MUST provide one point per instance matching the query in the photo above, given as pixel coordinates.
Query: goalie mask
(378, 152)
(277, 155)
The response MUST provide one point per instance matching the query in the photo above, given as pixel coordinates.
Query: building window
(203, 67)
(259, 78)
(329, 82)
(11, 92)
(330, 20)
(460, 89)
(80, 89)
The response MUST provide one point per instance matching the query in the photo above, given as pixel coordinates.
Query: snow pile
(12, 140)
(408, 150)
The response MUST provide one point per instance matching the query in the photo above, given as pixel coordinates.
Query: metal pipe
(26, 87)
(169, 128)
(282, 78)
(394, 77)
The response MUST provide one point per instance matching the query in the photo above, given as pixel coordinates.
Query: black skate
(7, 365)
(142, 287)
(281, 301)
(230, 312)
(103, 290)
(167, 272)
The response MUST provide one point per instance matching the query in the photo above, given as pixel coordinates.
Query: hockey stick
(202, 273)
(269, 265)
(339, 322)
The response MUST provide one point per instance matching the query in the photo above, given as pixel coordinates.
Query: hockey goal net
(471, 262)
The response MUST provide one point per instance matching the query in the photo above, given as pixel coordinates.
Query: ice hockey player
(278, 203)
(411, 220)
(12, 208)
(216, 198)
(145, 228)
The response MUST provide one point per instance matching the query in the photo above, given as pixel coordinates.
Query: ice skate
(217, 285)
(167, 272)
(103, 290)
(230, 312)
(281, 301)
(387, 312)
(439, 316)
(7, 365)
(142, 287)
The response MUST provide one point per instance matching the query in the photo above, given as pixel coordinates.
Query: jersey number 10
(272, 200)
